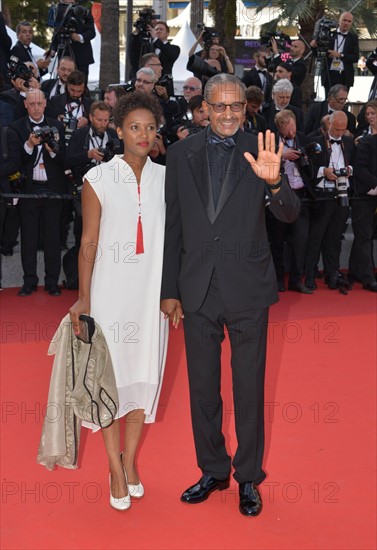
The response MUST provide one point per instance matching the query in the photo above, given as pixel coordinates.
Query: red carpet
(320, 434)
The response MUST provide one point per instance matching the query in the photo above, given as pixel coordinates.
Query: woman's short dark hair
(133, 101)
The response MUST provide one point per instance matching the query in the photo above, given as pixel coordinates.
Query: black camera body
(112, 148)
(68, 19)
(48, 135)
(208, 35)
(146, 18)
(18, 69)
(307, 153)
(70, 123)
(281, 40)
(324, 34)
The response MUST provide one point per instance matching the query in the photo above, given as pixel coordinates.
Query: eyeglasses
(235, 107)
(191, 88)
(154, 65)
(342, 99)
(140, 81)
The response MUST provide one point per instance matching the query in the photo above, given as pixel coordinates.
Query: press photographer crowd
(52, 133)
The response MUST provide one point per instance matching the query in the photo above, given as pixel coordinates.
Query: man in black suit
(73, 105)
(341, 55)
(23, 50)
(259, 75)
(329, 218)
(284, 70)
(218, 270)
(336, 99)
(85, 150)
(166, 52)
(79, 43)
(364, 213)
(254, 122)
(5, 47)
(281, 99)
(299, 171)
(56, 86)
(296, 61)
(44, 171)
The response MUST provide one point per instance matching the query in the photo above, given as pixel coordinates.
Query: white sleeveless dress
(125, 288)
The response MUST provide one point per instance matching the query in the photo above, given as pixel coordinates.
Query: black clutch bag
(87, 328)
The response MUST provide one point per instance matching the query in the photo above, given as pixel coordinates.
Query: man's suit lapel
(200, 170)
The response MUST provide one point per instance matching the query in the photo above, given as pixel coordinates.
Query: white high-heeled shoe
(135, 490)
(122, 503)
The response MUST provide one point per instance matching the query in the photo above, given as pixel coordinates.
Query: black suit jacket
(47, 86)
(169, 53)
(365, 165)
(317, 111)
(251, 78)
(351, 56)
(83, 52)
(298, 69)
(260, 126)
(269, 111)
(21, 52)
(231, 239)
(78, 147)
(19, 132)
(323, 158)
(16, 102)
(56, 105)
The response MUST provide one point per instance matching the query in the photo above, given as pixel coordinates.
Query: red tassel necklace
(139, 232)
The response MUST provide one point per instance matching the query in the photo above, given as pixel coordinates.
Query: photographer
(297, 165)
(74, 30)
(341, 49)
(213, 54)
(195, 118)
(90, 146)
(259, 75)
(166, 52)
(333, 169)
(72, 107)
(281, 99)
(140, 41)
(296, 62)
(254, 122)
(164, 88)
(40, 142)
(284, 70)
(336, 101)
(22, 80)
(56, 86)
(23, 50)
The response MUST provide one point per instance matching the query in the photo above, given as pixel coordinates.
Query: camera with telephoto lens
(324, 34)
(67, 19)
(281, 40)
(112, 148)
(48, 135)
(18, 69)
(208, 35)
(342, 175)
(146, 18)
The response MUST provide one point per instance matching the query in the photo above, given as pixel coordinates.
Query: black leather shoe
(371, 286)
(300, 287)
(250, 500)
(311, 284)
(201, 490)
(27, 290)
(53, 290)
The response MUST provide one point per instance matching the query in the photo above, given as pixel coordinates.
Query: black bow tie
(227, 142)
(28, 48)
(341, 33)
(338, 141)
(262, 71)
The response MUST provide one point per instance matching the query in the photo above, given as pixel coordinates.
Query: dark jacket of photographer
(350, 56)
(19, 133)
(76, 157)
(251, 78)
(168, 55)
(318, 110)
(57, 104)
(24, 56)
(323, 158)
(82, 52)
(269, 111)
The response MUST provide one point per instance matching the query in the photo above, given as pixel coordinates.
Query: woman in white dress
(120, 267)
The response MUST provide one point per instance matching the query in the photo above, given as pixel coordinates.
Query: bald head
(345, 21)
(338, 124)
(297, 49)
(35, 104)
